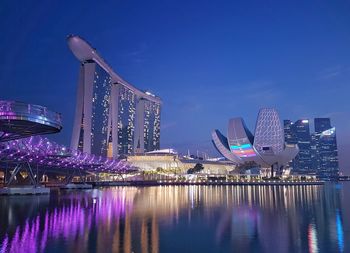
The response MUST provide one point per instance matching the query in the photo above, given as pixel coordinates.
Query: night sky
(208, 60)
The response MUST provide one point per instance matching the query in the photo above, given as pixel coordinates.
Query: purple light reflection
(73, 219)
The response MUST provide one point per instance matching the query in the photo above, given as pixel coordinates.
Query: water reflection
(177, 218)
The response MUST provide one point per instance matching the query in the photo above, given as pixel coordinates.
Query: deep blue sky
(208, 60)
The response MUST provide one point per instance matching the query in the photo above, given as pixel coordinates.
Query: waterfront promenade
(217, 182)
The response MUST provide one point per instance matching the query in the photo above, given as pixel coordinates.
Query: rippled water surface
(180, 219)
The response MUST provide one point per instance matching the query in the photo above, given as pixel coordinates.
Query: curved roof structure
(20, 120)
(83, 51)
(240, 139)
(165, 151)
(266, 147)
(221, 144)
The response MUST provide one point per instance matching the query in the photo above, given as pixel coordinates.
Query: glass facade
(299, 133)
(314, 150)
(100, 111)
(318, 151)
(151, 126)
(322, 124)
(326, 155)
(289, 136)
(126, 120)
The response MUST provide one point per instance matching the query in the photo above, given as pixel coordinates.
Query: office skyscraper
(318, 153)
(112, 117)
(299, 133)
(326, 155)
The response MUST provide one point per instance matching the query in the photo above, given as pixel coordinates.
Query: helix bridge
(23, 148)
(39, 153)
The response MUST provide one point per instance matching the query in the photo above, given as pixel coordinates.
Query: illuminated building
(169, 161)
(266, 148)
(299, 133)
(326, 151)
(318, 151)
(112, 117)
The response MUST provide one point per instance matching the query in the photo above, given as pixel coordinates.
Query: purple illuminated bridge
(39, 156)
(21, 147)
(50, 155)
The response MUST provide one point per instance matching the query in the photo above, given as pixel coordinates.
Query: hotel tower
(112, 117)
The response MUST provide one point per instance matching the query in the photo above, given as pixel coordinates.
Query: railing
(13, 108)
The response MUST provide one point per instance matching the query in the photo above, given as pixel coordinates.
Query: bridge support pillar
(75, 172)
(17, 169)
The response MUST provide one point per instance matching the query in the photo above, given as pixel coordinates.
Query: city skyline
(207, 61)
(318, 151)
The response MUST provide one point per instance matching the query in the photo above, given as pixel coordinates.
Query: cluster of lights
(151, 125)
(100, 110)
(126, 120)
(43, 153)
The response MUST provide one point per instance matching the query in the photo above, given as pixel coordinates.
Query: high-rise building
(326, 155)
(314, 151)
(112, 117)
(299, 133)
(322, 124)
(289, 133)
(318, 153)
(289, 136)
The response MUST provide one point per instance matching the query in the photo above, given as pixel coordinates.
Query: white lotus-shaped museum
(266, 148)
